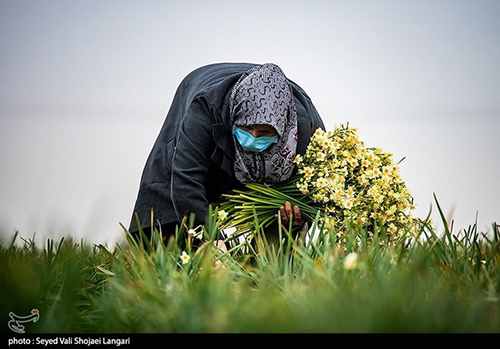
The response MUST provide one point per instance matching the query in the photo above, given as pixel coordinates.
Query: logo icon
(16, 321)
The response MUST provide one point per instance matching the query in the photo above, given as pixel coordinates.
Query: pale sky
(85, 86)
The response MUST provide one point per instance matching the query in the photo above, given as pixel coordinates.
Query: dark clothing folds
(192, 161)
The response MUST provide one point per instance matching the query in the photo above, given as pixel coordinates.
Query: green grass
(444, 283)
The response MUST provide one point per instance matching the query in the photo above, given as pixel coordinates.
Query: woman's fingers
(288, 212)
(284, 215)
(297, 216)
(288, 209)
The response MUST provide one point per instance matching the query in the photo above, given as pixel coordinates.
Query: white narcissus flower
(222, 215)
(348, 204)
(185, 257)
(321, 182)
(386, 170)
(195, 234)
(303, 188)
(392, 228)
(298, 159)
(319, 133)
(351, 261)
(353, 162)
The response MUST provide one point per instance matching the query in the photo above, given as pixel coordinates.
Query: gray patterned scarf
(263, 95)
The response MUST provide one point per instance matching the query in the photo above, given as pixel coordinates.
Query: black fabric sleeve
(191, 160)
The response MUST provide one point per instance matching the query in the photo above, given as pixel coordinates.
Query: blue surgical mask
(251, 143)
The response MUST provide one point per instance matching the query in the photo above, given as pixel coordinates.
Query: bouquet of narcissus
(340, 183)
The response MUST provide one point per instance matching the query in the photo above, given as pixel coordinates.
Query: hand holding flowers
(287, 213)
(348, 183)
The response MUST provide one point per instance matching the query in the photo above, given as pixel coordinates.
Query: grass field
(438, 282)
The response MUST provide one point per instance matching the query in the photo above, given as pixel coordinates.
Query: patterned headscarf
(263, 95)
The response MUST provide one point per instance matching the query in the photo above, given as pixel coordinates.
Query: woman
(229, 123)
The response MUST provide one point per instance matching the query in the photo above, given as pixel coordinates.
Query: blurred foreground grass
(433, 283)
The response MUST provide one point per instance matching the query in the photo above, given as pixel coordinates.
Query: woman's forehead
(260, 127)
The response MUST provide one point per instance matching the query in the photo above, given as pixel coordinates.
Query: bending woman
(229, 123)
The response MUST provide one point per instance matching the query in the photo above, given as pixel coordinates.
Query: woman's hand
(288, 213)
